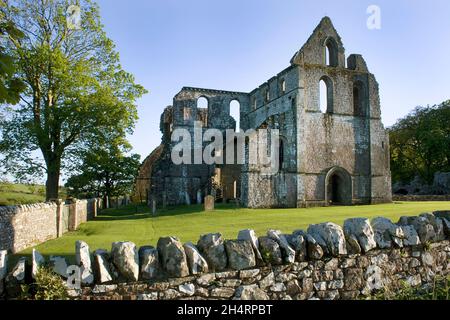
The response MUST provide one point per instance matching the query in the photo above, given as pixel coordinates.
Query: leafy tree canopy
(105, 171)
(76, 92)
(420, 144)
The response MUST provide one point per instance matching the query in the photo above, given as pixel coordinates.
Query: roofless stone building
(333, 150)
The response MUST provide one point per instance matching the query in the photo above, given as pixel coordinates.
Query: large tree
(76, 90)
(105, 171)
(420, 144)
(10, 85)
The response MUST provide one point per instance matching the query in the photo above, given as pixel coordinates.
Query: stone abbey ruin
(335, 156)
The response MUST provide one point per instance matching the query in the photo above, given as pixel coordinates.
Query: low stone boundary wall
(421, 198)
(25, 226)
(324, 262)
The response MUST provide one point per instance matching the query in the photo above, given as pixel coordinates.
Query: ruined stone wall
(326, 261)
(273, 106)
(179, 184)
(339, 137)
(347, 143)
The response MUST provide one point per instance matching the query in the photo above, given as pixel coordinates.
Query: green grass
(14, 194)
(188, 223)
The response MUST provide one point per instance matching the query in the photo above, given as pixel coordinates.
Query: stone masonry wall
(342, 278)
(326, 261)
(26, 226)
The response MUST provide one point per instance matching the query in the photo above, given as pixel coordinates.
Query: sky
(239, 44)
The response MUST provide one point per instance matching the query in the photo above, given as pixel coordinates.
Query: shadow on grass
(140, 212)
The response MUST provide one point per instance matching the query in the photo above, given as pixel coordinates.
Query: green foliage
(439, 290)
(76, 94)
(47, 286)
(420, 144)
(10, 85)
(105, 170)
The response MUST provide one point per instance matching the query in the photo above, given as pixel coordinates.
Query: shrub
(47, 286)
(439, 290)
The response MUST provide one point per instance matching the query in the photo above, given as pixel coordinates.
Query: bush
(439, 290)
(47, 286)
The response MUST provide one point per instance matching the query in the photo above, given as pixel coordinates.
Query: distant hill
(14, 194)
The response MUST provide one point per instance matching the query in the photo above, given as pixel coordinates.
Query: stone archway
(338, 187)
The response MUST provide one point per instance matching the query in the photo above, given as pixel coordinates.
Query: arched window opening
(202, 103)
(267, 95)
(281, 156)
(331, 53)
(283, 86)
(235, 112)
(325, 95)
(359, 108)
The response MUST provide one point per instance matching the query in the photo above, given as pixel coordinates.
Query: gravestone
(209, 203)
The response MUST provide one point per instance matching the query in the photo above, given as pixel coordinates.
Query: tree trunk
(52, 184)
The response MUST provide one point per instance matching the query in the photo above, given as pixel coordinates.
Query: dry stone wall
(324, 262)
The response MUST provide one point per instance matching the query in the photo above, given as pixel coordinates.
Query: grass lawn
(14, 194)
(188, 223)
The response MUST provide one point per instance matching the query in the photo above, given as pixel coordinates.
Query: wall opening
(283, 86)
(202, 103)
(267, 95)
(338, 187)
(331, 53)
(235, 112)
(281, 156)
(326, 95)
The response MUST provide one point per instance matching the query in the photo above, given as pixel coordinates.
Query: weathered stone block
(240, 254)
(298, 243)
(212, 248)
(58, 265)
(250, 292)
(197, 264)
(250, 235)
(83, 260)
(149, 262)
(126, 259)
(330, 237)
(270, 251)
(287, 252)
(423, 228)
(37, 261)
(101, 267)
(362, 230)
(173, 257)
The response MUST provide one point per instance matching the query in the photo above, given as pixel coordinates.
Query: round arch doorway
(338, 187)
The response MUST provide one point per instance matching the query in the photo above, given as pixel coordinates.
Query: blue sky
(239, 44)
